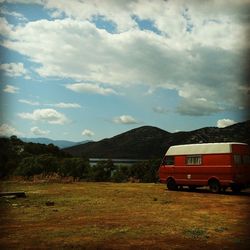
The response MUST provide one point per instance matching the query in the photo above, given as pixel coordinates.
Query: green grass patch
(195, 233)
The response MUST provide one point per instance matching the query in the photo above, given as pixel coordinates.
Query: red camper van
(217, 165)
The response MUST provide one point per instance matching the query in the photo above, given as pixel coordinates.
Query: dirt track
(122, 216)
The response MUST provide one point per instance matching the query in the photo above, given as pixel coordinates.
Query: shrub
(29, 166)
(102, 171)
(146, 171)
(121, 174)
(75, 167)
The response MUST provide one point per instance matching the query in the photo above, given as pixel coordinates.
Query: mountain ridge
(149, 142)
(59, 143)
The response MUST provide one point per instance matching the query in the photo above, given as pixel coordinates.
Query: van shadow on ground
(245, 192)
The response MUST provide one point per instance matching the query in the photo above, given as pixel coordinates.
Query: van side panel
(180, 160)
(200, 175)
(217, 160)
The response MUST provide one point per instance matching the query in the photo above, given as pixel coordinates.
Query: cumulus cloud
(125, 119)
(14, 69)
(10, 89)
(8, 130)
(90, 88)
(66, 105)
(47, 115)
(222, 123)
(5, 27)
(173, 18)
(117, 12)
(32, 103)
(88, 133)
(198, 107)
(56, 105)
(13, 14)
(197, 50)
(160, 110)
(38, 131)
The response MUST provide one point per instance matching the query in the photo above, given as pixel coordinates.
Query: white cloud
(124, 119)
(5, 27)
(127, 58)
(225, 122)
(197, 51)
(11, 89)
(88, 133)
(117, 12)
(24, 1)
(66, 105)
(90, 88)
(56, 105)
(7, 130)
(47, 115)
(17, 15)
(197, 107)
(32, 103)
(38, 131)
(161, 110)
(14, 69)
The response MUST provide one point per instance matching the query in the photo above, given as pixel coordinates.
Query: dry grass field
(121, 216)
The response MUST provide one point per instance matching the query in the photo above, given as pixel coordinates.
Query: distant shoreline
(95, 161)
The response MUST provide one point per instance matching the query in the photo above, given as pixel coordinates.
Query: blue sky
(79, 70)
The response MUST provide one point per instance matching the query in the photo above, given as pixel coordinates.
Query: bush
(76, 167)
(29, 166)
(49, 163)
(121, 174)
(9, 155)
(146, 171)
(102, 171)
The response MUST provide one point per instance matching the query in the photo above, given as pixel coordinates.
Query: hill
(58, 143)
(149, 142)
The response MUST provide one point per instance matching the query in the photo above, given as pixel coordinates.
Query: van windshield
(168, 160)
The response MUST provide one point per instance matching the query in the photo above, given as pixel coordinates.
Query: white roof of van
(202, 148)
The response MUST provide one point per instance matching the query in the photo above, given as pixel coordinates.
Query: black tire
(214, 186)
(236, 188)
(192, 188)
(171, 184)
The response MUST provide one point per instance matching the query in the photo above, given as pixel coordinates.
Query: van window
(237, 159)
(193, 160)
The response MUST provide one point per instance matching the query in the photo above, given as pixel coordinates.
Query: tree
(101, 171)
(121, 174)
(9, 155)
(75, 167)
(29, 166)
(49, 163)
(146, 171)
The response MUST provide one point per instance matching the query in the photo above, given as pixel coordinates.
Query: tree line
(28, 159)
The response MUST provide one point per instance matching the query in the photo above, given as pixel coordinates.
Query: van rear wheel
(214, 186)
(171, 184)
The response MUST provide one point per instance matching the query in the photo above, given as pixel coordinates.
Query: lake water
(116, 162)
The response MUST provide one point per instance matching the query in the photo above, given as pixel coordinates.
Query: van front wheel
(192, 188)
(171, 184)
(214, 186)
(236, 188)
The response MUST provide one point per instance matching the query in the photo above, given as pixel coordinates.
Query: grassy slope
(121, 216)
